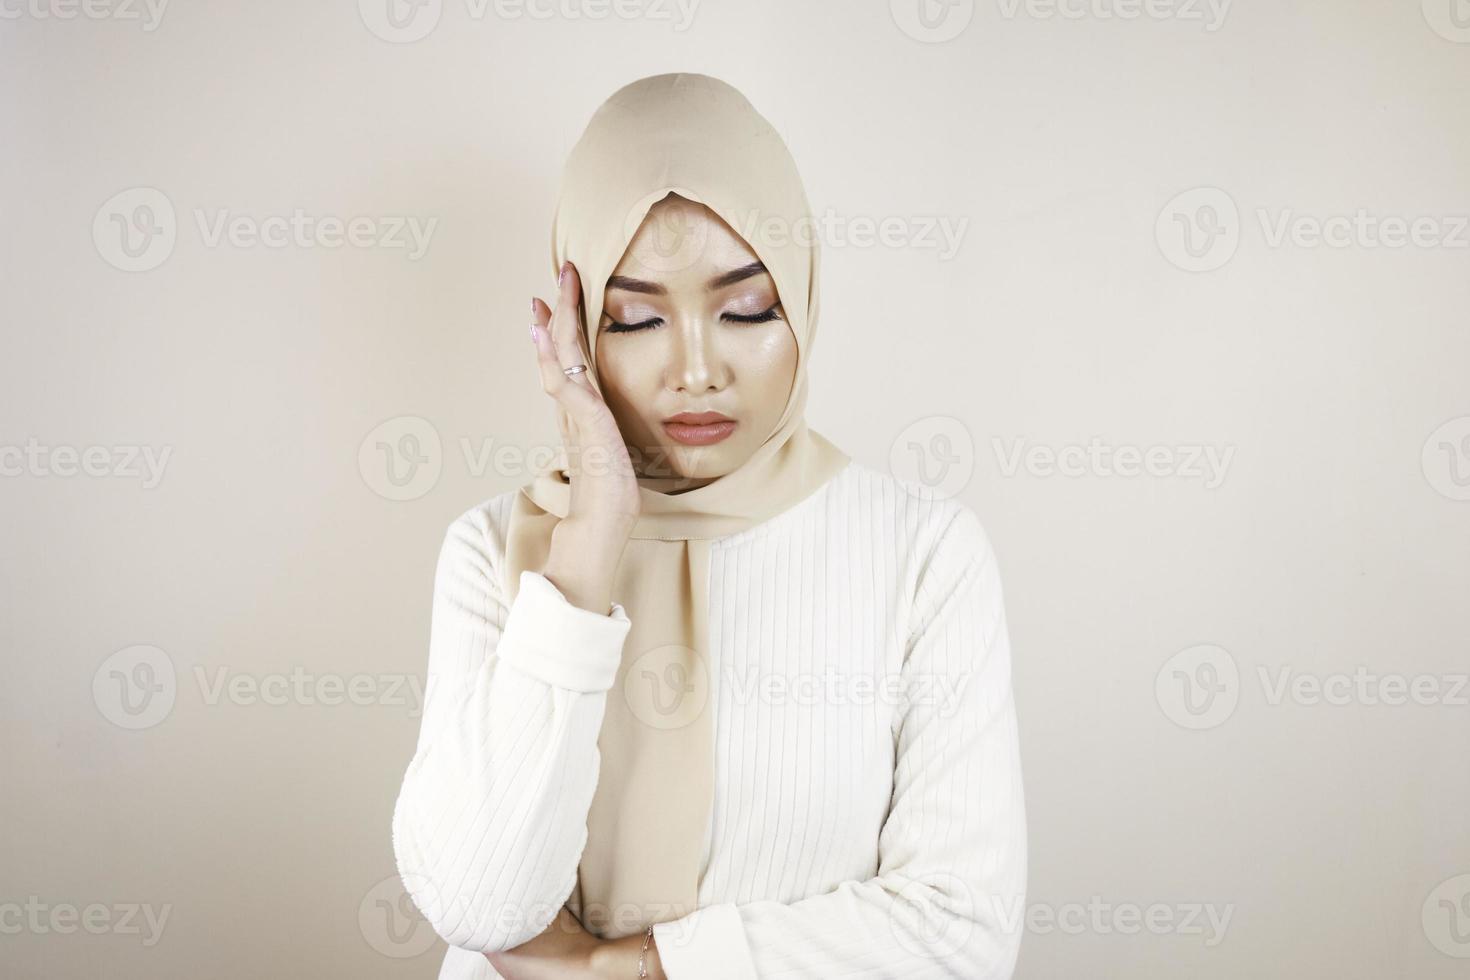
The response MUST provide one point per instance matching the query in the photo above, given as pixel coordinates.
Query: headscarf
(695, 136)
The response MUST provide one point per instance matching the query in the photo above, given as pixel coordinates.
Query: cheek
(628, 371)
(769, 361)
(768, 351)
(780, 368)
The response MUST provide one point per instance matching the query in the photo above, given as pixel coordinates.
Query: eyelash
(616, 327)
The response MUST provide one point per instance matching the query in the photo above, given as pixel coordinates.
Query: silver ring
(574, 369)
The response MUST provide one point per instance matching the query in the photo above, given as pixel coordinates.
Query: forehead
(680, 238)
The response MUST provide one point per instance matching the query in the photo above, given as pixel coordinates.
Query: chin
(702, 462)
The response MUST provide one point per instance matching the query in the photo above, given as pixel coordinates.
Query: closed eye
(757, 318)
(615, 327)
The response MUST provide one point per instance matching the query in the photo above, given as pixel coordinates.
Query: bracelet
(642, 956)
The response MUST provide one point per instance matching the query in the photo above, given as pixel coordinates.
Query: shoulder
(475, 539)
(936, 544)
(928, 526)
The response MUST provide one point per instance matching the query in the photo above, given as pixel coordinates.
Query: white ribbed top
(868, 817)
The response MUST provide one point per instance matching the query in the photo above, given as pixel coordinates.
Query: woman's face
(692, 323)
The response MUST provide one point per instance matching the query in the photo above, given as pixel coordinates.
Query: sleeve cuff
(548, 638)
(708, 944)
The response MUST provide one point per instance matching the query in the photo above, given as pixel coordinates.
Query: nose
(696, 364)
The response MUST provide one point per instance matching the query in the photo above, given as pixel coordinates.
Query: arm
(567, 950)
(491, 819)
(947, 899)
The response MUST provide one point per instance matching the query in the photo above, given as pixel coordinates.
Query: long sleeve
(948, 897)
(490, 822)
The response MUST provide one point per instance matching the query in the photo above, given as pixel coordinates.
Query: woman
(707, 698)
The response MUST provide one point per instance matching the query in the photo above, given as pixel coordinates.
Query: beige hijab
(695, 136)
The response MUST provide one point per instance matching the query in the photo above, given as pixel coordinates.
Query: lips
(699, 418)
(699, 428)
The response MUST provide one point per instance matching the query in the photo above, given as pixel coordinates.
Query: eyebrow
(656, 289)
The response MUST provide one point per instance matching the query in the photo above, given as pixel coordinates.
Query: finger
(546, 317)
(543, 315)
(564, 425)
(573, 398)
(566, 324)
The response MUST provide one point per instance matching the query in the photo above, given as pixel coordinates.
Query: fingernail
(533, 306)
(561, 277)
(533, 333)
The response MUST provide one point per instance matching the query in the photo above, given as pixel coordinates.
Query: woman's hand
(604, 487)
(563, 950)
(567, 950)
(588, 543)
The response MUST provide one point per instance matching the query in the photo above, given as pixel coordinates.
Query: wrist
(607, 961)
(617, 959)
(582, 563)
(605, 536)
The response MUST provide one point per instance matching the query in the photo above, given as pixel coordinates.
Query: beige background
(1330, 382)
